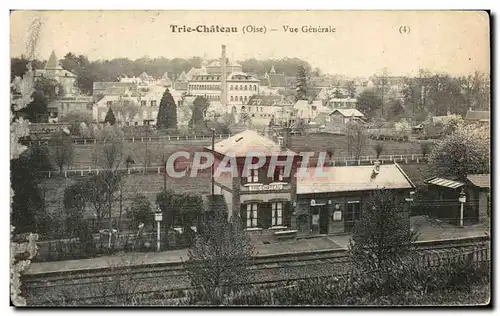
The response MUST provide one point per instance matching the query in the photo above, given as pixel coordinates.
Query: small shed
(444, 200)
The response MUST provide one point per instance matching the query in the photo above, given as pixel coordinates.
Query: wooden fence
(71, 249)
(81, 171)
(89, 141)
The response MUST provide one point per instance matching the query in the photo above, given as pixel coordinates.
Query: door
(323, 220)
(353, 213)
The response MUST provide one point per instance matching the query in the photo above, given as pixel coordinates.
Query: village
(138, 166)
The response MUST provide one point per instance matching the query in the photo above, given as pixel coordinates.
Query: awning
(444, 182)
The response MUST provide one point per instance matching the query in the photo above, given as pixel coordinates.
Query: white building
(54, 71)
(136, 108)
(306, 110)
(240, 86)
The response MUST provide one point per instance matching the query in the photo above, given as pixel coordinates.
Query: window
(241, 98)
(109, 103)
(245, 98)
(143, 103)
(277, 214)
(231, 87)
(236, 87)
(253, 176)
(232, 99)
(251, 215)
(281, 170)
(153, 103)
(246, 87)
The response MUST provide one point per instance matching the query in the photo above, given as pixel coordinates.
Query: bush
(406, 284)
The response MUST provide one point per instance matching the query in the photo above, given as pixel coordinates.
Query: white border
(185, 4)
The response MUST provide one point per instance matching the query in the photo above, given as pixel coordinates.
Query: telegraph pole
(212, 167)
(164, 204)
(164, 175)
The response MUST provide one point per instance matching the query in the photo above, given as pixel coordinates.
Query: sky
(364, 42)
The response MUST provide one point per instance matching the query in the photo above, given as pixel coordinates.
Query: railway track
(166, 279)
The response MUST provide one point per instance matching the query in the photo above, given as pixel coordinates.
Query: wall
(330, 200)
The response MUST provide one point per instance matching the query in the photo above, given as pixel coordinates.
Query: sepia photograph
(250, 158)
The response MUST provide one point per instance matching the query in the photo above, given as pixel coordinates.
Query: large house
(261, 202)
(136, 108)
(100, 88)
(274, 80)
(70, 101)
(53, 70)
(240, 86)
(270, 203)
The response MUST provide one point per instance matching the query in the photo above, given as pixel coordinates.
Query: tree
(110, 117)
(301, 89)
(110, 156)
(272, 122)
(62, 149)
(141, 211)
(46, 90)
(403, 129)
(96, 196)
(167, 113)
(351, 88)
(383, 235)
(356, 138)
(28, 200)
(74, 206)
(378, 147)
(200, 105)
(368, 102)
(425, 148)
(183, 208)
(22, 88)
(76, 119)
(396, 110)
(221, 256)
(127, 109)
(337, 94)
(466, 151)
(245, 118)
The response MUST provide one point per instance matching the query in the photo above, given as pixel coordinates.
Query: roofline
(290, 153)
(405, 175)
(351, 191)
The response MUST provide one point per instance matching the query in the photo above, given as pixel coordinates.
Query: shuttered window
(251, 215)
(277, 214)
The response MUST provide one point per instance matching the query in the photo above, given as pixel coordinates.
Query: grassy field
(310, 143)
(148, 185)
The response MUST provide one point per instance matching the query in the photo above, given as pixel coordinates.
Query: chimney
(376, 169)
(223, 98)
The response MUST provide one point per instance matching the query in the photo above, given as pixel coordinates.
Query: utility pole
(212, 167)
(164, 203)
(121, 206)
(146, 159)
(164, 175)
